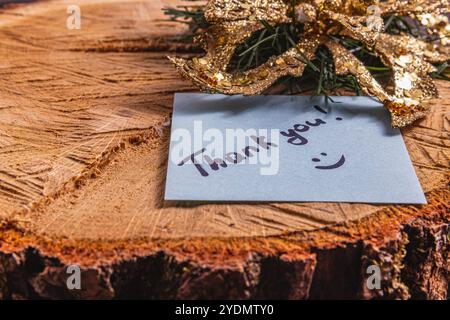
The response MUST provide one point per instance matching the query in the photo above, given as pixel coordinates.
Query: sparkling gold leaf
(233, 21)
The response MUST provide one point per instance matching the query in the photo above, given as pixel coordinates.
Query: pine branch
(319, 74)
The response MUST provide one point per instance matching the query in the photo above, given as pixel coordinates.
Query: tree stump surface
(84, 132)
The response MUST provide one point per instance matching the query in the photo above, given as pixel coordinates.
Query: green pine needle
(319, 75)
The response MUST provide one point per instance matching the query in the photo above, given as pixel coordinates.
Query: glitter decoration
(231, 22)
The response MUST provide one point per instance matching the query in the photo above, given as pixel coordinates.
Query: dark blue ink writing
(231, 157)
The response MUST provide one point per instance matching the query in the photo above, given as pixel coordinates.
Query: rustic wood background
(84, 124)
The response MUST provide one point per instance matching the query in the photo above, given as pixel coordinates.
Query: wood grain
(84, 124)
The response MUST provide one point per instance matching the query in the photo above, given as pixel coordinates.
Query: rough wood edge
(411, 250)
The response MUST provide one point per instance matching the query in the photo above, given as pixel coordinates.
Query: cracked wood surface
(83, 145)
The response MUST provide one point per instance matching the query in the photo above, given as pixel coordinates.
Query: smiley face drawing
(333, 166)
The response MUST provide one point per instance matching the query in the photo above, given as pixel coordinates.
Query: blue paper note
(287, 148)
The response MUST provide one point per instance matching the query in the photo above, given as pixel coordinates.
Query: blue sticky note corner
(287, 148)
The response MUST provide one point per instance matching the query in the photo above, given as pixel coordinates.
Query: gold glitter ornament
(233, 21)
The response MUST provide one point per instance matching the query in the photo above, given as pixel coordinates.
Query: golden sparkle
(233, 21)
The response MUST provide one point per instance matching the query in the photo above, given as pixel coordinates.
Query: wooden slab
(84, 124)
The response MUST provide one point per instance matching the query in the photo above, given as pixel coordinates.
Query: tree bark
(84, 124)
